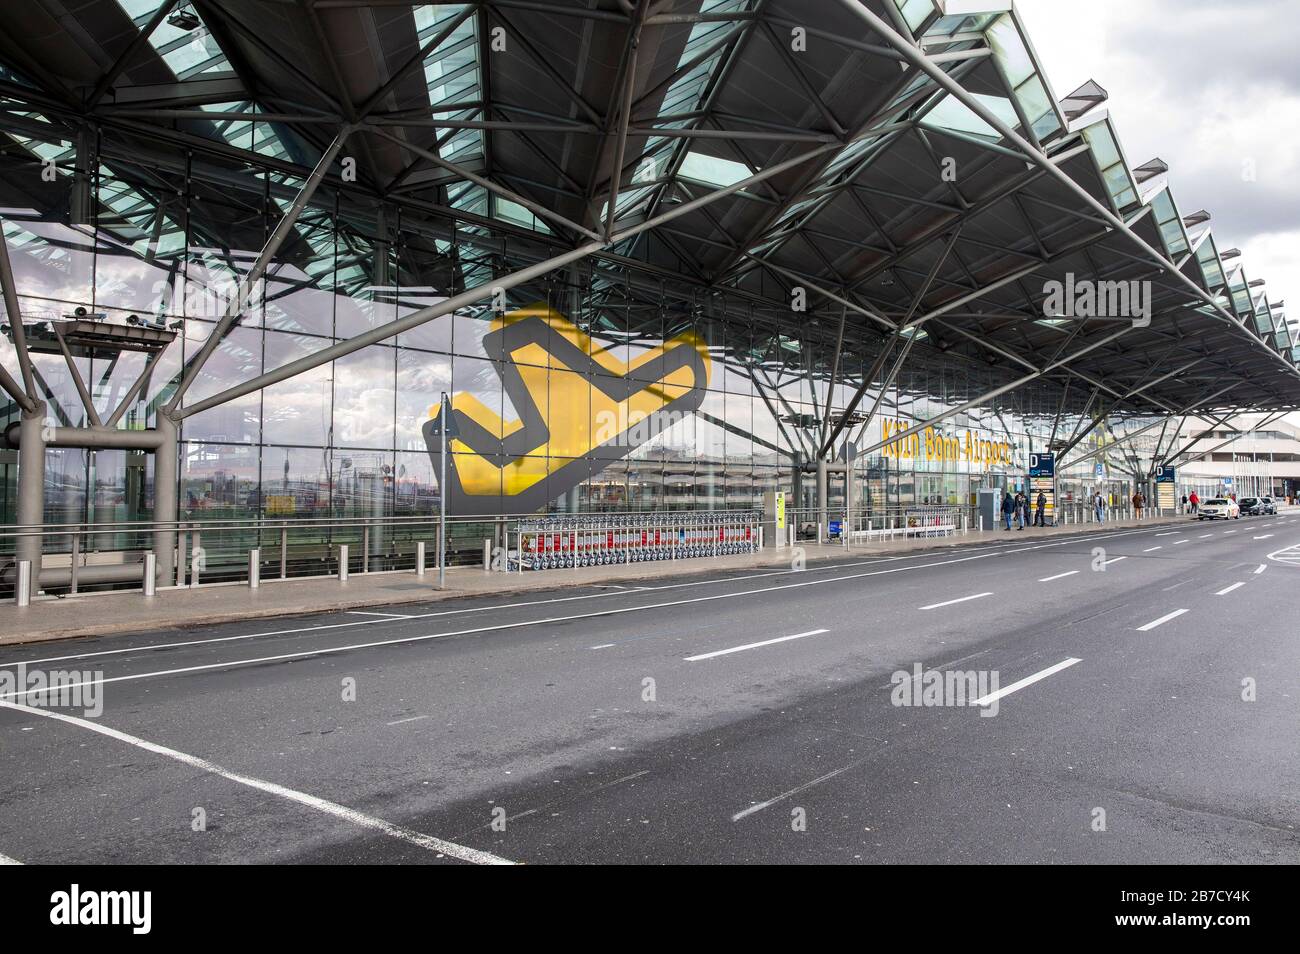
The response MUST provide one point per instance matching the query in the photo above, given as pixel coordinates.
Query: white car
(1220, 507)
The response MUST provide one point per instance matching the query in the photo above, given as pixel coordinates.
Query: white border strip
(351, 815)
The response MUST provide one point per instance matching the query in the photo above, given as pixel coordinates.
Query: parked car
(1251, 506)
(1217, 507)
(1269, 505)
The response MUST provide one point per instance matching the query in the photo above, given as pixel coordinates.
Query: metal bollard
(254, 568)
(419, 558)
(150, 573)
(196, 557)
(23, 583)
(76, 560)
(343, 562)
(487, 554)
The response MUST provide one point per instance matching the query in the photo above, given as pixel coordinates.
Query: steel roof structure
(904, 164)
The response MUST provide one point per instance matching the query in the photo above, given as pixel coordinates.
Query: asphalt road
(1146, 711)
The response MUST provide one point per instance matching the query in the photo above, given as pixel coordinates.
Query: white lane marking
(1228, 589)
(1167, 533)
(1161, 621)
(758, 807)
(1027, 681)
(1176, 542)
(411, 719)
(385, 615)
(1114, 560)
(603, 646)
(1229, 531)
(766, 642)
(1260, 569)
(1205, 536)
(981, 551)
(6, 860)
(617, 611)
(964, 599)
(1152, 549)
(1059, 576)
(1265, 536)
(419, 839)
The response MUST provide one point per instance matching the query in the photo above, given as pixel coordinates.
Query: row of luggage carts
(557, 543)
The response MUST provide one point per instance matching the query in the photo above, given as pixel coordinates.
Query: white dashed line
(964, 599)
(1228, 589)
(766, 642)
(1059, 576)
(1152, 549)
(1161, 621)
(1027, 681)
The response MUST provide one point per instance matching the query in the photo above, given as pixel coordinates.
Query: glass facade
(169, 244)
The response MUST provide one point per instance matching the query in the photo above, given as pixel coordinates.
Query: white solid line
(6, 860)
(1161, 621)
(981, 551)
(385, 615)
(984, 553)
(964, 599)
(1264, 536)
(421, 840)
(402, 640)
(1059, 576)
(766, 642)
(1027, 681)
(794, 791)
(603, 646)
(1226, 590)
(1152, 549)
(1114, 560)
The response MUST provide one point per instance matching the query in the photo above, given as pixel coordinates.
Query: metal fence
(570, 542)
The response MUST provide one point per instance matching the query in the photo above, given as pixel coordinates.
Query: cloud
(1213, 89)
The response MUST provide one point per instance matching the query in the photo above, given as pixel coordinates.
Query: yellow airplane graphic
(576, 402)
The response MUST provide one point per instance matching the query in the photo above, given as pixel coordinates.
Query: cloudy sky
(1210, 86)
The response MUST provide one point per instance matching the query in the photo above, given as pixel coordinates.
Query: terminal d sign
(932, 445)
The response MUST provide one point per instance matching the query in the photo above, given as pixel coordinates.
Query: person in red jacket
(1195, 501)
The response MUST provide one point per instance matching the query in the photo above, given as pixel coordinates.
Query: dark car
(1252, 506)
(1268, 505)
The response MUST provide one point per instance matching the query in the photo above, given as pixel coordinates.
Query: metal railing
(580, 540)
(836, 525)
(81, 556)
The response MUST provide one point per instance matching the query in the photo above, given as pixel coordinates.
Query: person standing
(1137, 504)
(1099, 507)
(1022, 511)
(1183, 507)
(1195, 501)
(1040, 515)
(1008, 508)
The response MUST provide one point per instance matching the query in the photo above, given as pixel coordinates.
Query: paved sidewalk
(97, 614)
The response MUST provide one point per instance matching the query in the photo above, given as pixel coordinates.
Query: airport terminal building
(658, 256)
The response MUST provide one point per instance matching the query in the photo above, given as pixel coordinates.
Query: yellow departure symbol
(579, 406)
